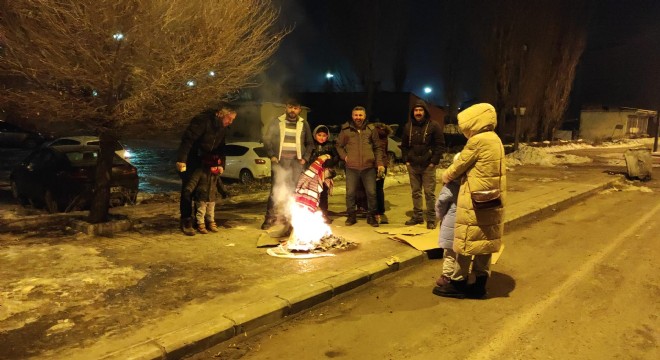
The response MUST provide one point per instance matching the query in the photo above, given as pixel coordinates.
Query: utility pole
(657, 127)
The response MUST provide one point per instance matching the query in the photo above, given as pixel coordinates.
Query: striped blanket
(310, 185)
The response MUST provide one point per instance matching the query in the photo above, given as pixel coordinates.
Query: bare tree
(110, 63)
(566, 47)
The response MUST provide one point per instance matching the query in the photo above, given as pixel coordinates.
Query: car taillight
(259, 161)
(127, 170)
(79, 174)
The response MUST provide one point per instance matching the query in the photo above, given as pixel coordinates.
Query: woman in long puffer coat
(478, 232)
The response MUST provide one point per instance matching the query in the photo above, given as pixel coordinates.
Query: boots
(414, 221)
(202, 228)
(478, 289)
(350, 219)
(384, 219)
(442, 280)
(371, 220)
(430, 224)
(455, 289)
(187, 227)
(212, 226)
(268, 223)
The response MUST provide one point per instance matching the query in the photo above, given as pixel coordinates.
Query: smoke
(283, 190)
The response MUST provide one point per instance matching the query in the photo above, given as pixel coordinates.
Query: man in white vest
(288, 142)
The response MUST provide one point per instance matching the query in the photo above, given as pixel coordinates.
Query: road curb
(307, 296)
(557, 204)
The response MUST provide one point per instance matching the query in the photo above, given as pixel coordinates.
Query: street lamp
(519, 112)
(329, 75)
(428, 90)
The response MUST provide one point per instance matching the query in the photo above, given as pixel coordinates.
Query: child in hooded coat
(325, 148)
(445, 210)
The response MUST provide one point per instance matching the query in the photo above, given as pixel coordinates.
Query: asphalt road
(582, 284)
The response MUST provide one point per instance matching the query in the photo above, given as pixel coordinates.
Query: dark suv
(15, 136)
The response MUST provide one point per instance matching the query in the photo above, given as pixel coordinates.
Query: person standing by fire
(421, 149)
(360, 148)
(289, 144)
(204, 136)
(325, 148)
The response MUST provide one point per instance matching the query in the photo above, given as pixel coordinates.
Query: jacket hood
(321, 128)
(421, 103)
(476, 119)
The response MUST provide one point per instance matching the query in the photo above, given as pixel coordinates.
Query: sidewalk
(153, 292)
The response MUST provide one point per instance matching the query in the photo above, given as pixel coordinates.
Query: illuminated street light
(329, 75)
(428, 90)
(211, 73)
(95, 93)
(190, 83)
(118, 36)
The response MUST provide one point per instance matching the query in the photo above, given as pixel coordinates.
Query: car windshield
(116, 147)
(235, 150)
(261, 151)
(88, 158)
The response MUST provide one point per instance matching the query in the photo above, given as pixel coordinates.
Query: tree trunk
(98, 211)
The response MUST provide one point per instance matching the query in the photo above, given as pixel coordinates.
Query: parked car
(246, 161)
(89, 140)
(15, 136)
(394, 149)
(62, 178)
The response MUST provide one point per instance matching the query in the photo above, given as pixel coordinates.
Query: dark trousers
(283, 181)
(185, 202)
(423, 179)
(323, 200)
(368, 179)
(380, 195)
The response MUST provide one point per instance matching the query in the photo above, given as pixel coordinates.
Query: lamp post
(519, 112)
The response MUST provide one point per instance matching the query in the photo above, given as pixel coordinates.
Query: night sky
(620, 66)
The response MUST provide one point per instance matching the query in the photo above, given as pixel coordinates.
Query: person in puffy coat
(445, 210)
(477, 232)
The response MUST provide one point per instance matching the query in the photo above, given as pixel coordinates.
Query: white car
(89, 140)
(394, 149)
(246, 161)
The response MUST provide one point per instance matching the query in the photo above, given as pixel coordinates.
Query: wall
(600, 124)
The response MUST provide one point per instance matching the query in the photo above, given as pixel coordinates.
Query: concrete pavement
(153, 293)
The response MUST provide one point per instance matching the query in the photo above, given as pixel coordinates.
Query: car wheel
(245, 176)
(30, 144)
(50, 202)
(20, 198)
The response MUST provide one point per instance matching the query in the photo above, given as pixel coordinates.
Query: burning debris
(326, 243)
(309, 231)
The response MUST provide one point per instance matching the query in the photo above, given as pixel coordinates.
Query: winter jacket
(384, 131)
(363, 147)
(205, 135)
(274, 137)
(445, 209)
(327, 148)
(480, 231)
(422, 141)
(203, 185)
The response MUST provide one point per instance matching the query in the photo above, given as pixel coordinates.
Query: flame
(308, 228)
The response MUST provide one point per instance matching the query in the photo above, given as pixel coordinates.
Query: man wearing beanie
(421, 149)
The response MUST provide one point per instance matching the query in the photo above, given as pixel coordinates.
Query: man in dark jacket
(289, 144)
(360, 148)
(421, 148)
(204, 136)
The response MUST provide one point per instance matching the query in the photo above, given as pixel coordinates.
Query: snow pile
(540, 156)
